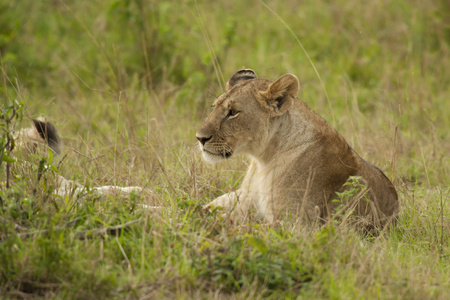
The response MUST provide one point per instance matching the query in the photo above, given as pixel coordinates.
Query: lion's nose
(202, 139)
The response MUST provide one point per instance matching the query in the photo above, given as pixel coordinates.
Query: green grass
(127, 83)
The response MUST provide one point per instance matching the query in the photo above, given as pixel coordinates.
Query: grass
(127, 83)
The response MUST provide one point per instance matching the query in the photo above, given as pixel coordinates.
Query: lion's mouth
(227, 154)
(222, 153)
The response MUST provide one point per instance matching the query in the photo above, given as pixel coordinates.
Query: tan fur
(298, 161)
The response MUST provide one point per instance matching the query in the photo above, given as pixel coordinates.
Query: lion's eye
(232, 113)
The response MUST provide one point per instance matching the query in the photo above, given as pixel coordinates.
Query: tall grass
(127, 83)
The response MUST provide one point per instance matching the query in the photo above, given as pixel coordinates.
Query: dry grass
(128, 83)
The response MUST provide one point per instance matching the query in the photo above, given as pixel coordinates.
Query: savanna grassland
(127, 84)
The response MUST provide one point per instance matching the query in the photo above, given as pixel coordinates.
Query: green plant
(9, 116)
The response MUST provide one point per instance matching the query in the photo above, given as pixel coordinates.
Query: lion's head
(242, 116)
(41, 133)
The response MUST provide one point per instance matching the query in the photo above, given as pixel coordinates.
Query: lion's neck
(291, 135)
(288, 136)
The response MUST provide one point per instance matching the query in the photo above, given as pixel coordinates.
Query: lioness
(298, 161)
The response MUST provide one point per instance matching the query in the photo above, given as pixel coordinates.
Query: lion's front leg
(236, 205)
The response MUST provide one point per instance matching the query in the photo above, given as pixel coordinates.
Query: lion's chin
(213, 158)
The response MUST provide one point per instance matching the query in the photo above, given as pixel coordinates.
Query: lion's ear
(49, 134)
(241, 75)
(280, 94)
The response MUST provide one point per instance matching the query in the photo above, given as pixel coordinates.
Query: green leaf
(50, 156)
(6, 110)
(8, 159)
(258, 243)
